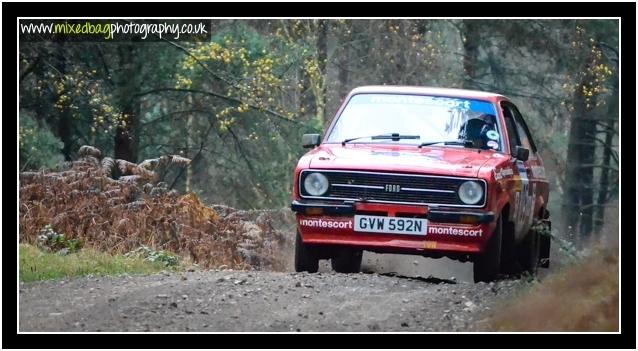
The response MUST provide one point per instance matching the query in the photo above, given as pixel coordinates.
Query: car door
(539, 189)
(523, 185)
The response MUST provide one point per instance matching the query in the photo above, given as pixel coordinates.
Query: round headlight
(471, 192)
(316, 184)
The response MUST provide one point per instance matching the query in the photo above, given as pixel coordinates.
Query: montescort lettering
(322, 223)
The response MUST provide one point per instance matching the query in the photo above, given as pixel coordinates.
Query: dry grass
(581, 297)
(117, 216)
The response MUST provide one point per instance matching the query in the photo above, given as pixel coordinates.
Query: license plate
(390, 225)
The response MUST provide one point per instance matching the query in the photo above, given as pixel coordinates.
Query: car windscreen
(431, 118)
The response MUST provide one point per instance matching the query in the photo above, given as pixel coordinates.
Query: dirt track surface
(236, 301)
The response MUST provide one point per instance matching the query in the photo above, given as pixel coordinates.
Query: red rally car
(424, 171)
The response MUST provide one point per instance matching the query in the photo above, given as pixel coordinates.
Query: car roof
(418, 90)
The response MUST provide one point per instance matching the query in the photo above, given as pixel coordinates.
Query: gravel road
(259, 301)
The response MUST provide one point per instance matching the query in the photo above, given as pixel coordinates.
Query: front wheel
(488, 263)
(306, 259)
(347, 261)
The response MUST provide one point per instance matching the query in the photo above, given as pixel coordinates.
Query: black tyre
(509, 250)
(487, 265)
(529, 252)
(347, 261)
(306, 259)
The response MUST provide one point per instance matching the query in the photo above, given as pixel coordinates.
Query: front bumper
(464, 217)
(449, 231)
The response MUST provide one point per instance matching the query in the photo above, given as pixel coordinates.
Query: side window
(523, 131)
(523, 136)
(512, 134)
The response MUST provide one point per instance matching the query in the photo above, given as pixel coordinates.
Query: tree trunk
(189, 131)
(343, 74)
(571, 200)
(44, 101)
(603, 190)
(322, 58)
(578, 199)
(64, 115)
(587, 151)
(471, 37)
(126, 134)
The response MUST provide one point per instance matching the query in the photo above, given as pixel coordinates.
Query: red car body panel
(521, 186)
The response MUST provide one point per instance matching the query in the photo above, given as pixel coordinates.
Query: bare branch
(201, 147)
(594, 165)
(220, 96)
(29, 69)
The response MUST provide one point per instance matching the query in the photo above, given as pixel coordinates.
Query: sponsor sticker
(524, 199)
(492, 134)
(502, 173)
(518, 183)
(325, 223)
(455, 231)
(429, 244)
(521, 169)
(538, 171)
(420, 100)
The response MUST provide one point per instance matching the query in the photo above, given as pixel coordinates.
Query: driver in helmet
(480, 130)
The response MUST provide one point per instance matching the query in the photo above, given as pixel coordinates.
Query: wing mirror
(310, 140)
(521, 153)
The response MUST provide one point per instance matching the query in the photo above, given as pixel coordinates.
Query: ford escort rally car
(425, 171)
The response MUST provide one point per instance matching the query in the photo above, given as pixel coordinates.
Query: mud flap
(545, 242)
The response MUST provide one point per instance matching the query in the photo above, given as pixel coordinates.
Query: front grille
(391, 187)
